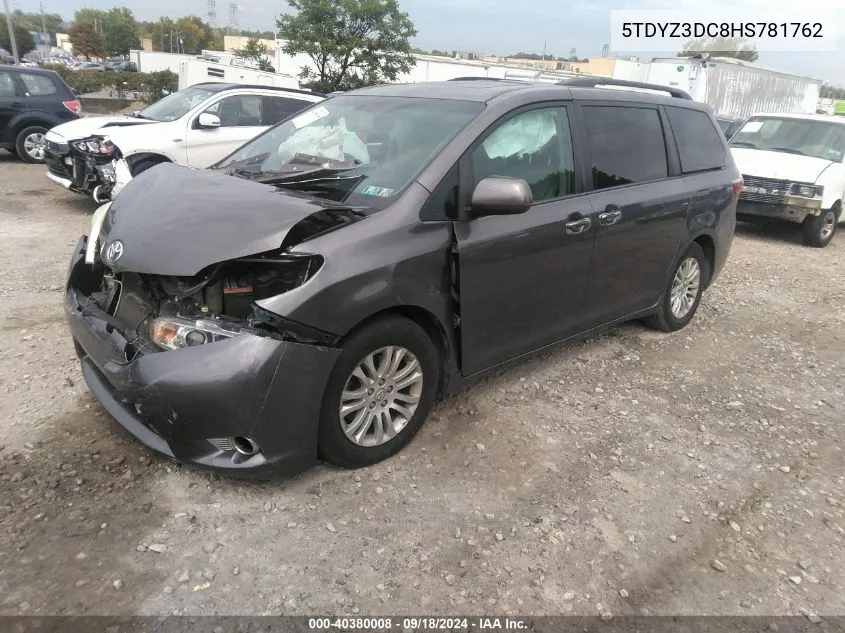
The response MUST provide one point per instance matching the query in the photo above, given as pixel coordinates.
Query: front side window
(535, 146)
(176, 105)
(804, 137)
(7, 85)
(279, 108)
(353, 148)
(699, 144)
(238, 111)
(38, 85)
(626, 145)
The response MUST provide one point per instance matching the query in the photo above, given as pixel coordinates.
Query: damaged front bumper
(101, 177)
(195, 404)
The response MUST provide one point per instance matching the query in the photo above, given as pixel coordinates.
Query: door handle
(575, 227)
(607, 218)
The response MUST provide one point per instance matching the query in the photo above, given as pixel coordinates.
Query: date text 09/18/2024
(416, 623)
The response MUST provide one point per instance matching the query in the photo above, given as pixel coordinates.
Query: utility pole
(11, 26)
(43, 37)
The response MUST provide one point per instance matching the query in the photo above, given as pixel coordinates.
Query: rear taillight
(737, 187)
(74, 106)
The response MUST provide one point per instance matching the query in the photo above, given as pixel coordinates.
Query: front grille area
(57, 169)
(755, 189)
(57, 148)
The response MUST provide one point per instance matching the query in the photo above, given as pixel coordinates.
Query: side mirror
(501, 196)
(208, 120)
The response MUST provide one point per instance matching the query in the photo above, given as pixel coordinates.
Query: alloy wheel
(380, 396)
(34, 145)
(684, 288)
(828, 225)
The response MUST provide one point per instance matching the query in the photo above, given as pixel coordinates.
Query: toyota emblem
(114, 252)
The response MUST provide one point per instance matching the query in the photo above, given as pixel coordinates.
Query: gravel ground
(632, 473)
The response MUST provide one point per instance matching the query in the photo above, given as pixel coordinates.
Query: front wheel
(379, 393)
(30, 144)
(679, 302)
(818, 230)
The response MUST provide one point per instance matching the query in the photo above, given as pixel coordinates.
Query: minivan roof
(483, 90)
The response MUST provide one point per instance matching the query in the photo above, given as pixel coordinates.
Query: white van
(792, 169)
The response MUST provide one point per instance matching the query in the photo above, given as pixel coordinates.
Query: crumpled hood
(101, 125)
(174, 220)
(779, 165)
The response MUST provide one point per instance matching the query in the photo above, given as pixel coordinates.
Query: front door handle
(609, 217)
(576, 227)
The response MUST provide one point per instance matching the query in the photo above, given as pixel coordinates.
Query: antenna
(233, 16)
(605, 50)
(212, 12)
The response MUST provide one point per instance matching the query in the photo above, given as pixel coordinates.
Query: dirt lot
(637, 472)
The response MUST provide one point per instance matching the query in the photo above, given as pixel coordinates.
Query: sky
(504, 27)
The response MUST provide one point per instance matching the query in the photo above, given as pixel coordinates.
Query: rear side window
(626, 145)
(38, 85)
(698, 140)
(279, 108)
(7, 85)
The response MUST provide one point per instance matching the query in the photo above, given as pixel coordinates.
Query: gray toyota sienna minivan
(313, 293)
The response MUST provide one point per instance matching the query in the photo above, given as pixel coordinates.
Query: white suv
(196, 126)
(793, 169)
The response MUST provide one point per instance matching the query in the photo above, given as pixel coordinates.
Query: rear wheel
(818, 230)
(379, 393)
(30, 144)
(680, 300)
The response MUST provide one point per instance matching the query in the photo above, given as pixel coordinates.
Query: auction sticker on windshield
(315, 114)
(752, 126)
(377, 191)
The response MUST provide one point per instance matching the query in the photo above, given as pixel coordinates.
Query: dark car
(314, 292)
(31, 102)
(121, 66)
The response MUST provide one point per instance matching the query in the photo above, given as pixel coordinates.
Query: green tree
(351, 43)
(255, 50)
(86, 41)
(721, 47)
(32, 21)
(117, 26)
(23, 38)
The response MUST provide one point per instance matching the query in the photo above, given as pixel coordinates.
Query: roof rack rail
(484, 79)
(598, 82)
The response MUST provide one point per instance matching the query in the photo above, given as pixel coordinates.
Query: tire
(818, 230)
(390, 332)
(666, 318)
(145, 164)
(24, 144)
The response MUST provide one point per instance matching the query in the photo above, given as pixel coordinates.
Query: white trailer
(734, 88)
(197, 71)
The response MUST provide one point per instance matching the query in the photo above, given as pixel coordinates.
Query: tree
(121, 31)
(351, 43)
(255, 50)
(721, 47)
(23, 38)
(86, 41)
(32, 21)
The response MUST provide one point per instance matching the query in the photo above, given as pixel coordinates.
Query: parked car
(196, 126)
(314, 291)
(729, 126)
(88, 66)
(792, 165)
(121, 66)
(31, 102)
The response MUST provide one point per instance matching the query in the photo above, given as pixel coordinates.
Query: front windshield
(804, 137)
(175, 105)
(354, 149)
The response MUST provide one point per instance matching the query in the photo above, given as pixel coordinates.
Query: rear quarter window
(699, 143)
(38, 85)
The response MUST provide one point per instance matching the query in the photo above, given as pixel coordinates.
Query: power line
(212, 12)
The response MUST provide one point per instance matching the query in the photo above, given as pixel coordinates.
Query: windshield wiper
(138, 115)
(744, 144)
(306, 175)
(788, 150)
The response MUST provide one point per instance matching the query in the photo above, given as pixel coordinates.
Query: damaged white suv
(197, 127)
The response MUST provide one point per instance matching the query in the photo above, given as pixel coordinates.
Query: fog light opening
(245, 446)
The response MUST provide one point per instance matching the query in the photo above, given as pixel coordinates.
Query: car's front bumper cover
(263, 388)
(790, 212)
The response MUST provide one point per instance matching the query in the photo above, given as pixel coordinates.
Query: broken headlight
(172, 333)
(100, 145)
